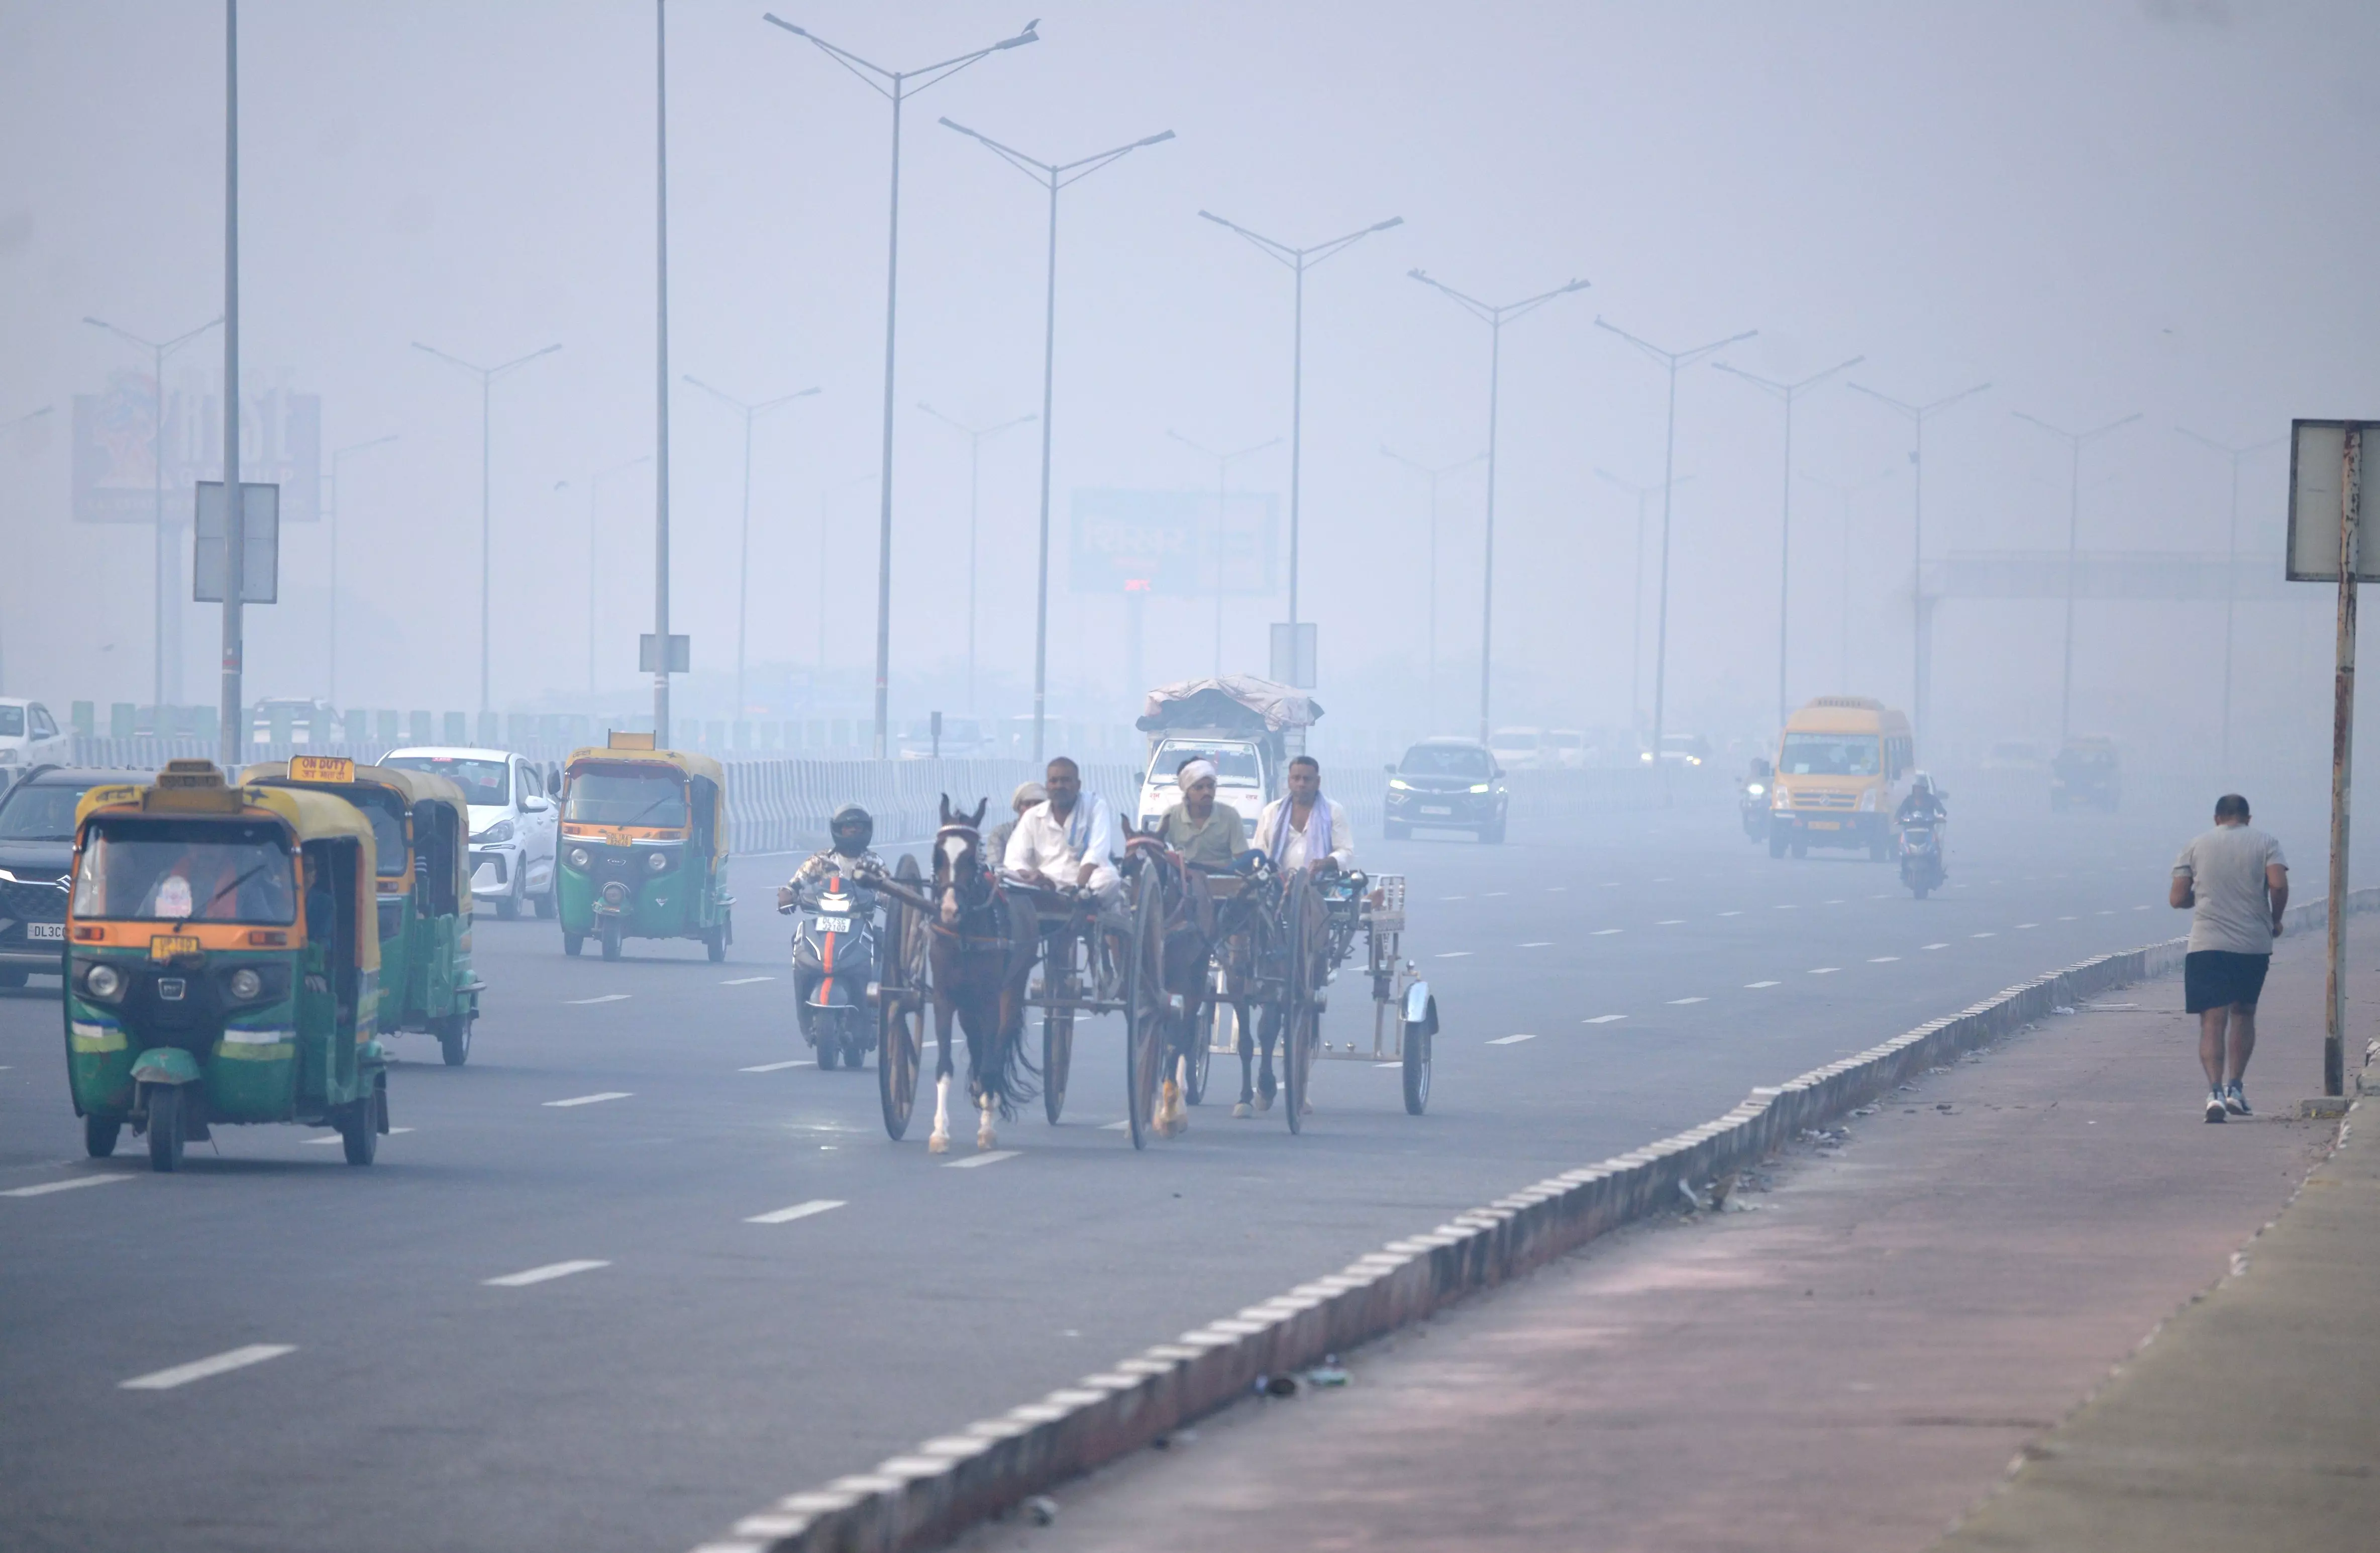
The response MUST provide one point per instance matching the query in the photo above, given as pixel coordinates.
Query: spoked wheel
(1144, 1004)
(1201, 1052)
(1417, 1039)
(1058, 981)
(900, 1023)
(1301, 1023)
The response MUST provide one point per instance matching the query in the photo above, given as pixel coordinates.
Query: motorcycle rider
(1924, 805)
(846, 856)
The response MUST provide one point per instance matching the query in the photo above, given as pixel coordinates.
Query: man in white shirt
(1063, 841)
(2235, 883)
(1306, 829)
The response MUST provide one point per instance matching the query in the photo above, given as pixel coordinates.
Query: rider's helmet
(853, 828)
(1922, 783)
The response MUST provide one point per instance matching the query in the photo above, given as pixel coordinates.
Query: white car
(1241, 779)
(514, 823)
(1518, 749)
(1565, 749)
(31, 736)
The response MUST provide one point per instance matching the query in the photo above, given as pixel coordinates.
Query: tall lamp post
(594, 493)
(1786, 392)
(1495, 316)
(1299, 260)
(1917, 415)
(2075, 442)
(331, 644)
(1432, 475)
(1672, 359)
(1643, 493)
(895, 87)
(487, 376)
(1224, 462)
(1052, 175)
(158, 350)
(2231, 553)
(744, 527)
(11, 426)
(975, 436)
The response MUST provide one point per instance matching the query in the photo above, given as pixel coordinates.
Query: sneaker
(2234, 1102)
(2216, 1110)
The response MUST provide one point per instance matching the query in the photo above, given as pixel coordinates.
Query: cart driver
(1062, 843)
(1207, 834)
(848, 857)
(1304, 830)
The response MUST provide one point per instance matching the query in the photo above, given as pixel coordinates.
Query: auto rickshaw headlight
(244, 985)
(657, 861)
(579, 857)
(104, 982)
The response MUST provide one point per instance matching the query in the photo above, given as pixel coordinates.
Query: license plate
(1825, 825)
(164, 946)
(1436, 809)
(835, 925)
(53, 932)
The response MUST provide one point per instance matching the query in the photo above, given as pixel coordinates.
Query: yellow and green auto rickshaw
(420, 825)
(223, 962)
(643, 847)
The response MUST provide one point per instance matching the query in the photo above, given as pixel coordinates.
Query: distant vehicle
(2086, 774)
(1518, 749)
(963, 738)
(36, 855)
(31, 736)
(1239, 722)
(1843, 765)
(308, 722)
(1681, 749)
(1448, 784)
(2013, 755)
(1241, 778)
(1565, 749)
(513, 822)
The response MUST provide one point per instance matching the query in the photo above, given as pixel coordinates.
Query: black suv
(36, 849)
(1452, 785)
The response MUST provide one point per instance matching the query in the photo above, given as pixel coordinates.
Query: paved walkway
(1854, 1364)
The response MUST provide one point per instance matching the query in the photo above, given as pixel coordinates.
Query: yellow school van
(1843, 765)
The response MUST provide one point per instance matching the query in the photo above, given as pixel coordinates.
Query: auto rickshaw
(223, 962)
(420, 825)
(644, 847)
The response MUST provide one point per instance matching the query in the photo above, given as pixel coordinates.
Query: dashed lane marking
(200, 1369)
(1540, 944)
(746, 980)
(1606, 933)
(972, 1161)
(1730, 914)
(2140, 908)
(1670, 922)
(1834, 903)
(1751, 985)
(1826, 970)
(606, 998)
(589, 1100)
(45, 1188)
(1784, 908)
(1934, 946)
(1605, 1019)
(545, 1274)
(800, 1211)
(1984, 935)
(1491, 894)
(1884, 959)
(333, 1137)
(1512, 1041)
(1679, 1003)
(780, 1067)
(1556, 888)
(1115, 1126)
(2023, 926)
(1455, 954)
(2066, 919)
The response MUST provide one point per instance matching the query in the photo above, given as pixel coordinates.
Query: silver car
(514, 823)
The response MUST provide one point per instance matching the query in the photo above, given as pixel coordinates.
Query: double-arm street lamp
(1917, 415)
(1672, 359)
(1299, 260)
(158, 350)
(2075, 442)
(1052, 175)
(895, 87)
(2237, 455)
(1494, 315)
(331, 645)
(744, 527)
(1433, 474)
(1786, 392)
(975, 436)
(1224, 462)
(487, 376)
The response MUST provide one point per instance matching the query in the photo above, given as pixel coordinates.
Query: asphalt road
(688, 1352)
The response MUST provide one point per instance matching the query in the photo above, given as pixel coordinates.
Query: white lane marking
(1835, 903)
(2140, 908)
(1115, 1126)
(1387, 1065)
(1454, 897)
(1606, 933)
(1456, 954)
(1678, 1002)
(2103, 913)
(1606, 1019)
(1884, 959)
(606, 998)
(1730, 914)
(779, 1067)
(1491, 894)
(1984, 935)
(1670, 922)
(972, 1161)
(335, 1137)
(1540, 944)
(1826, 970)
(2066, 919)
(198, 1369)
(1934, 946)
(589, 1099)
(45, 1188)
(1785, 908)
(800, 1211)
(2023, 926)
(545, 1274)
(1513, 1041)
(1750, 985)
(746, 980)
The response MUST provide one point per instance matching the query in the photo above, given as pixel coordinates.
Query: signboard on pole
(260, 506)
(1178, 543)
(118, 448)
(2318, 456)
(680, 654)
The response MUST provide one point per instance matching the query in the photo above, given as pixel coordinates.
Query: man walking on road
(2236, 884)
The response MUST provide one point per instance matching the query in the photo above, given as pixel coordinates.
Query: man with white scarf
(1304, 830)
(1063, 842)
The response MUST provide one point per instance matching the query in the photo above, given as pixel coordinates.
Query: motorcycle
(1752, 804)
(836, 972)
(1920, 856)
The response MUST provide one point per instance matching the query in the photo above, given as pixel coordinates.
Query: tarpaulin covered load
(1232, 702)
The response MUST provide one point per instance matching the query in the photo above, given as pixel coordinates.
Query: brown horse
(983, 947)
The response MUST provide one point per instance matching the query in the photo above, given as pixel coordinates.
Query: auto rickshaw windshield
(182, 870)
(622, 795)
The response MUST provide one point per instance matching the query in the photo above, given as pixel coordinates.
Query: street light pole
(975, 436)
(11, 426)
(1917, 415)
(2075, 442)
(1224, 462)
(158, 350)
(1433, 475)
(2232, 553)
(1672, 361)
(744, 530)
(1643, 493)
(594, 487)
(1495, 316)
(331, 645)
(1052, 175)
(894, 86)
(487, 376)
(1299, 260)
(1788, 392)
(235, 737)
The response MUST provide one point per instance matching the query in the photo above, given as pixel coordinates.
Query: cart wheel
(1057, 1058)
(164, 1127)
(1144, 1007)
(99, 1135)
(611, 938)
(572, 942)
(1417, 1039)
(357, 1132)
(455, 1038)
(1201, 1052)
(1300, 1026)
(900, 1024)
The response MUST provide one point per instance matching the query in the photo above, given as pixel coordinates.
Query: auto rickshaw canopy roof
(686, 762)
(414, 787)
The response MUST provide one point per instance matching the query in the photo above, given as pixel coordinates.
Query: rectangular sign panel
(680, 654)
(117, 449)
(1181, 543)
(2318, 458)
(260, 580)
(336, 768)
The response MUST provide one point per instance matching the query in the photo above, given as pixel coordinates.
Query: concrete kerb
(925, 1497)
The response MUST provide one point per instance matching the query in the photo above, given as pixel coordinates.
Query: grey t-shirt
(2226, 868)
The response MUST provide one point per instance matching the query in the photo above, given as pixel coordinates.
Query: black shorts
(2214, 978)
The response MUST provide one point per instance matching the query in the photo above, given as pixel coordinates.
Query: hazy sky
(2099, 207)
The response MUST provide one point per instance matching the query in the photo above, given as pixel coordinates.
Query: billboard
(1183, 543)
(117, 449)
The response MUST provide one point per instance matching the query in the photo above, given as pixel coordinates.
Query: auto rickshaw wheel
(611, 938)
(572, 942)
(714, 944)
(545, 905)
(455, 1038)
(99, 1135)
(164, 1127)
(359, 1132)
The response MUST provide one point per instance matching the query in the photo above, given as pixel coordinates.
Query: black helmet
(852, 829)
